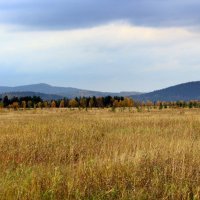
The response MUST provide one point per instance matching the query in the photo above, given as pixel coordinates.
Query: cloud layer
(70, 14)
(111, 57)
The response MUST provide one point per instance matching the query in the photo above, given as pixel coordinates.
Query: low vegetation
(100, 154)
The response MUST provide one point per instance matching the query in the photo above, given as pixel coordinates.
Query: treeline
(82, 102)
(91, 102)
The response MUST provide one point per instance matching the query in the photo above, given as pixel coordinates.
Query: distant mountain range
(185, 92)
(46, 92)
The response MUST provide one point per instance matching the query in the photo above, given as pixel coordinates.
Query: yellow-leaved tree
(73, 103)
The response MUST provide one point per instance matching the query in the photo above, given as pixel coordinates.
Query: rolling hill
(186, 91)
(67, 92)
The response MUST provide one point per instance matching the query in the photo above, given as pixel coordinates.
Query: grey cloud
(68, 14)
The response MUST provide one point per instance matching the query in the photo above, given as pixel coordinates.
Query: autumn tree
(62, 104)
(53, 104)
(157, 103)
(15, 105)
(116, 103)
(129, 102)
(149, 104)
(83, 102)
(91, 103)
(45, 104)
(39, 104)
(73, 103)
(23, 104)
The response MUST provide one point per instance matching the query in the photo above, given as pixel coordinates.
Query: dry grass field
(99, 154)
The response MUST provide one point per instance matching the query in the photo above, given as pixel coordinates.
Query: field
(99, 154)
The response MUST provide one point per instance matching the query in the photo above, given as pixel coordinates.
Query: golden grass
(99, 154)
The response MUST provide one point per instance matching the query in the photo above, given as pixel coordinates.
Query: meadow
(99, 154)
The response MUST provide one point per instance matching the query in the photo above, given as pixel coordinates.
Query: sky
(107, 45)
